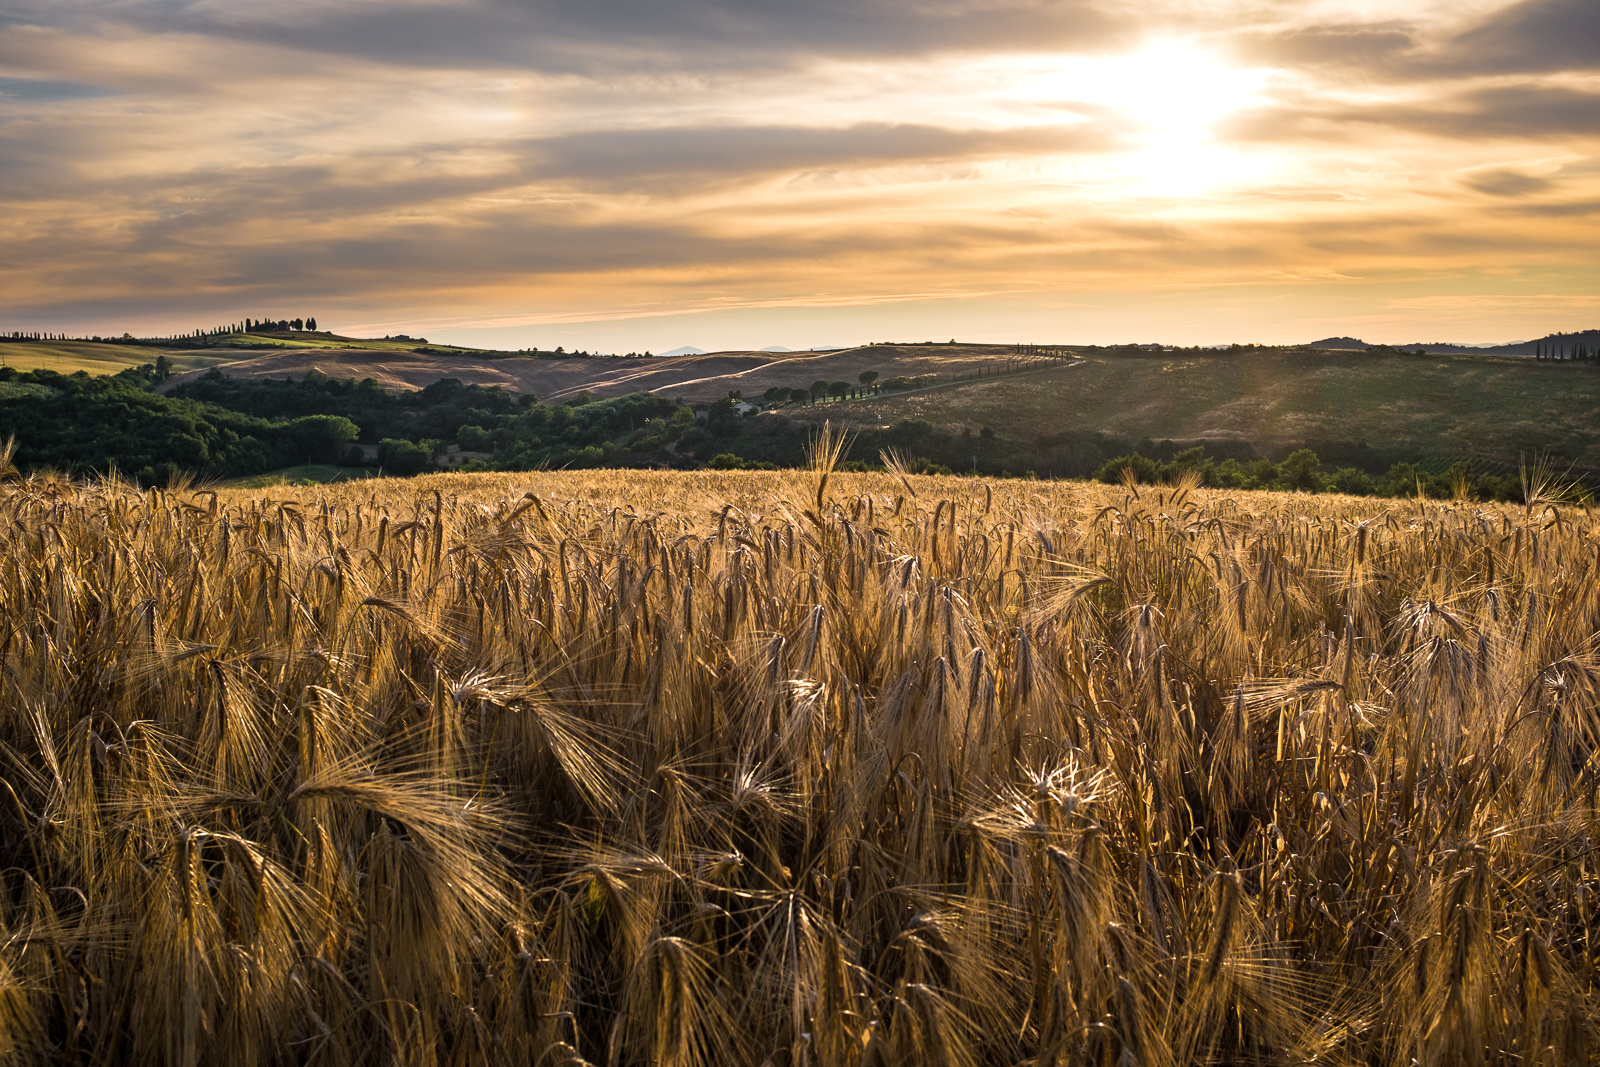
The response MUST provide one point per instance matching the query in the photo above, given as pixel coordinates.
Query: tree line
(1303, 471)
(277, 325)
(1563, 347)
(821, 389)
(247, 325)
(86, 425)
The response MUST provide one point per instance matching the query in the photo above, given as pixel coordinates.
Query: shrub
(402, 458)
(1301, 471)
(474, 439)
(1352, 481)
(1144, 469)
(323, 438)
(1404, 479)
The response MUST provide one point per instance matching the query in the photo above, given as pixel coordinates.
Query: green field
(1494, 408)
(93, 357)
(304, 474)
(240, 342)
(70, 357)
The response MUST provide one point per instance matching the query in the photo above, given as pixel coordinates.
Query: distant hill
(1561, 342)
(1343, 396)
(686, 350)
(777, 348)
(702, 377)
(1351, 406)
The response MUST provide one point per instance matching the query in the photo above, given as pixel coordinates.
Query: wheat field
(794, 768)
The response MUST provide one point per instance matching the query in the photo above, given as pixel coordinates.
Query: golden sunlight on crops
(800, 768)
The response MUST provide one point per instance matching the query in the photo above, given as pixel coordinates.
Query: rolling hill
(1345, 400)
(1492, 408)
(1560, 342)
(691, 377)
(91, 357)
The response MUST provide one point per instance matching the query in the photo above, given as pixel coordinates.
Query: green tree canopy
(324, 438)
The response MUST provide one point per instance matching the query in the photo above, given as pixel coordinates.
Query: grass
(270, 341)
(70, 357)
(807, 768)
(258, 341)
(304, 474)
(1488, 407)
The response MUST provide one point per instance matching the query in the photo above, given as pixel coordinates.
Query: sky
(630, 175)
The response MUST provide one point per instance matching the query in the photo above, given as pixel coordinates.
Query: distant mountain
(776, 348)
(686, 350)
(1553, 342)
(1515, 348)
(1559, 343)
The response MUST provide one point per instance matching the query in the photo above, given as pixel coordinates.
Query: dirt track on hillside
(688, 377)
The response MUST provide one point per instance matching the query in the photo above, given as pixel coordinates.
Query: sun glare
(1173, 94)
(1164, 103)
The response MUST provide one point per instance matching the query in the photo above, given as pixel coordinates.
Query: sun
(1162, 104)
(1173, 94)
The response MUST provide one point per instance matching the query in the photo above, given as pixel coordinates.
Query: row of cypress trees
(247, 326)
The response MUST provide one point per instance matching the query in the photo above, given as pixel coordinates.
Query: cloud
(43, 91)
(1360, 45)
(1535, 112)
(1525, 112)
(561, 255)
(1531, 37)
(208, 207)
(679, 158)
(1576, 209)
(1507, 183)
(1470, 301)
(593, 36)
(1587, 166)
(1536, 35)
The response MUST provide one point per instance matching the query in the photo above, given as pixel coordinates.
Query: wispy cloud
(46, 91)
